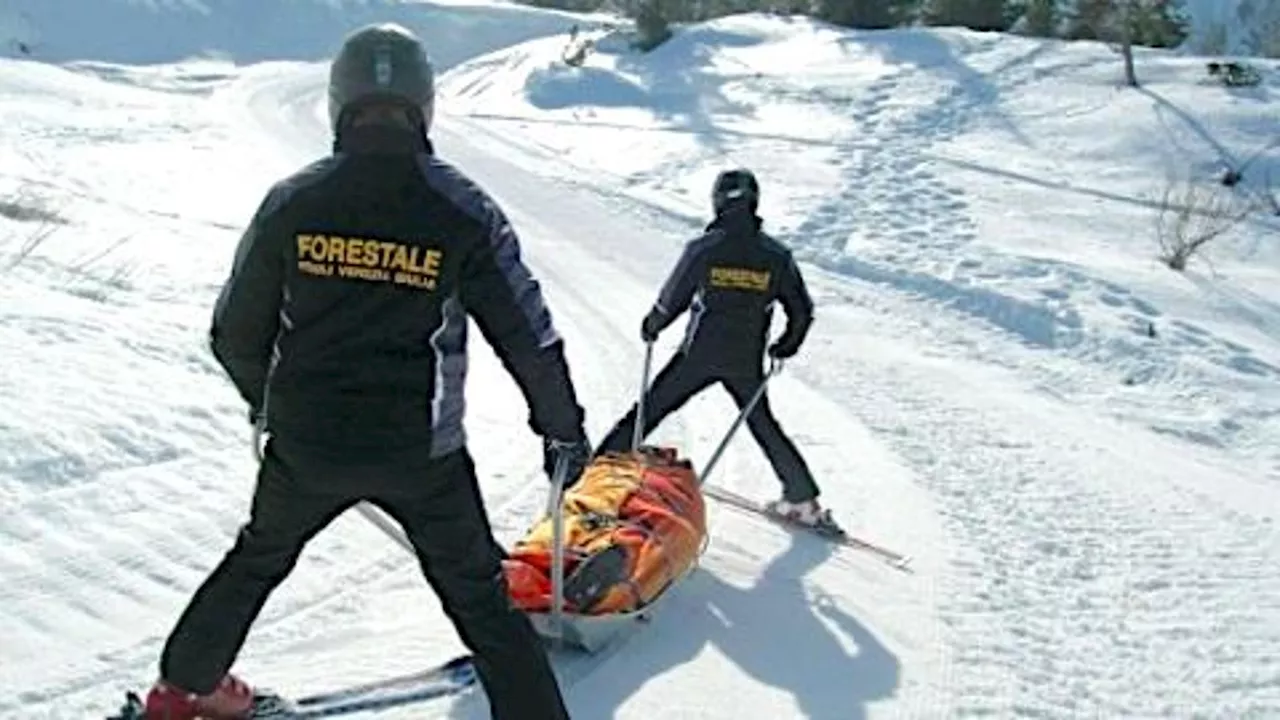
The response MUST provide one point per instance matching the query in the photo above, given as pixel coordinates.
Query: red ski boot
(231, 700)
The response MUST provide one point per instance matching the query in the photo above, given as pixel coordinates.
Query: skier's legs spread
(671, 388)
(447, 525)
(792, 471)
(284, 516)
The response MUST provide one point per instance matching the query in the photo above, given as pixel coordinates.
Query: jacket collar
(736, 222)
(381, 140)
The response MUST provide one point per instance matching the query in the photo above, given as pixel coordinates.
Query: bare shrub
(1192, 215)
(1271, 194)
(1213, 40)
(30, 208)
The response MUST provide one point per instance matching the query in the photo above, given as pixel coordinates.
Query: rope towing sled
(611, 547)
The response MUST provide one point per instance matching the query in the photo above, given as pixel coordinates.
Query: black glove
(577, 453)
(649, 328)
(781, 352)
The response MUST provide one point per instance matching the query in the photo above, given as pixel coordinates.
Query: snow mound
(246, 31)
(1012, 180)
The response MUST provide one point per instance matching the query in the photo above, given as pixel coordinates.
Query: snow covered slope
(994, 312)
(1007, 179)
(246, 31)
(1093, 510)
(126, 471)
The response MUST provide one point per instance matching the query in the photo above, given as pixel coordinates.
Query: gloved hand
(577, 454)
(649, 328)
(782, 352)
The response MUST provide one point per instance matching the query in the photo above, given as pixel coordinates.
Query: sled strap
(775, 366)
(637, 432)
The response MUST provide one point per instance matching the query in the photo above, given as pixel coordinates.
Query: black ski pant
(441, 512)
(685, 376)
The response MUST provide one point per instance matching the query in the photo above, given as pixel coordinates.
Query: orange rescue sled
(634, 524)
(610, 547)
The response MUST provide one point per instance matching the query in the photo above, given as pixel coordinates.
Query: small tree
(1261, 20)
(1126, 23)
(1040, 18)
(866, 14)
(652, 28)
(1191, 216)
(1159, 23)
(984, 15)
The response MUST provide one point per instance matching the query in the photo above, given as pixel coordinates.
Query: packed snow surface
(1080, 447)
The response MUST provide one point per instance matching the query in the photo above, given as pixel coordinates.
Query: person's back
(343, 326)
(737, 272)
(728, 279)
(371, 355)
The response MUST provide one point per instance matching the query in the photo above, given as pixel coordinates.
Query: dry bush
(30, 208)
(1192, 215)
(1271, 195)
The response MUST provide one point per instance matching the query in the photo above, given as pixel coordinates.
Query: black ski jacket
(344, 320)
(729, 279)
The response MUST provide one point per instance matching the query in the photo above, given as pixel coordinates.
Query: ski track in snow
(1067, 566)
(155, 568)
(1059, 561)
(1062, 560)
(1066, 559)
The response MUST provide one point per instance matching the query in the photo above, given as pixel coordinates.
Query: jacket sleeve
(505, 300)
(246, 316)
(677, 292)
(795, 299)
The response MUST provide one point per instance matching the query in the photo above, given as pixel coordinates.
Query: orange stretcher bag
(644, 510)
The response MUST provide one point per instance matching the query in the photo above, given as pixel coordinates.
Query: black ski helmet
(734, 186)
(381, 62)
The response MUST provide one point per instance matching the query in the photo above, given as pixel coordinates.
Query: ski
(740, 502)
(448, 679)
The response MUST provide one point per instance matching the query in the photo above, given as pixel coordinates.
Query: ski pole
(775, 366)
(637, 432)
(381, 522)
(368, 511)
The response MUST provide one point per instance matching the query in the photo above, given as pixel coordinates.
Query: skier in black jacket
(728, 279)
(344, 325)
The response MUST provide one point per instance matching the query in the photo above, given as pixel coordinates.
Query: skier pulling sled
(612, 545)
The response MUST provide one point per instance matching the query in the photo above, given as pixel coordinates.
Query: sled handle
(637, 431)
(555, 509)
(775, 367)
(370, 513)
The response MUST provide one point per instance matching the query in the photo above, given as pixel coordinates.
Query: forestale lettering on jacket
(387, 261)
(737, 278)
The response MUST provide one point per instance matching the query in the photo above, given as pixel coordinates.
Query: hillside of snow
(247, 31)
(1077, 444)
(1005, 178)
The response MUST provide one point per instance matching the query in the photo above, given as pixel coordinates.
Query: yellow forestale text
(369, 260)
(740, 278)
